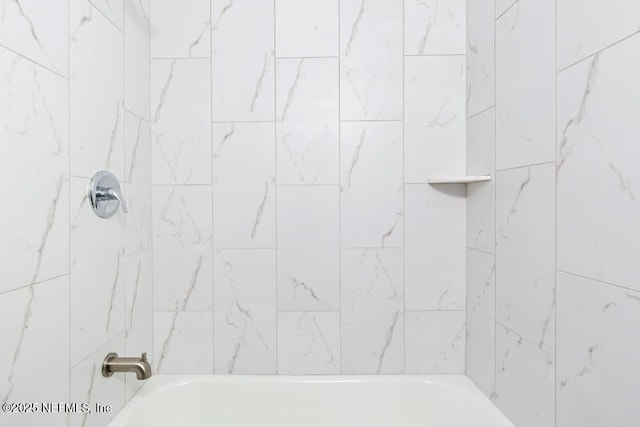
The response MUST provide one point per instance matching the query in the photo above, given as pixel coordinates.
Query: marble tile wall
(291, 144)
(552, 279)
(74, 99)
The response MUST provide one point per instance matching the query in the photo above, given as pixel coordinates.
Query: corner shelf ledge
(459, 179)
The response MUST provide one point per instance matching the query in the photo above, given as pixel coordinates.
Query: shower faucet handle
(105, 194)
(112, 194)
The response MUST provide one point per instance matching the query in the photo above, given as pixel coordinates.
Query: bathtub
(306, 401)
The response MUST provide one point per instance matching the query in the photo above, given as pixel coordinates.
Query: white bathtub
(306, 401)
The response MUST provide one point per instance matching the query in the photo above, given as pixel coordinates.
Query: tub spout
(140, 365)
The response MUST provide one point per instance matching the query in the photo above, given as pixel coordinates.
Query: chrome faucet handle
(115, 194)
(105, 195)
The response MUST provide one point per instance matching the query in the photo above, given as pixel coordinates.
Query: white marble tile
(34, 153)
(97, 275)
(139, 312)
(243, 60)
(89, 386)
(435, 247)
(525, 377)
(434, 342)
(306, 28)
(525, 84)
(434, 27)
(308, 343)
(371, 184)
(137, 188)
(37, 30)
(371, 60)
(181, 121)
(481, 196)
(525, 253)
(182, 248)
(308, 242)
(34, 322)
(597, 355)
(136, 57)
(181, 29)
(502, 6)
(480, 56)
(113, 10)
(183, 342)
(481, 216)
(307, 123)
(96, 92)
(245, 311)
(434, 126)
(481, 317)
(372, 311)
(244, 163)
(587, 26)
(598, 174)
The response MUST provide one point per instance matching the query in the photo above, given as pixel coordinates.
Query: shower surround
(553, 283)
(74, 99)
(293, 229)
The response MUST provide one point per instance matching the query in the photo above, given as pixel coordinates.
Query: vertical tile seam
(68, 42)
(555, 277)
(404, 202)
(127, 180)
(494, 396)
(275, 174)
(150, 159)
(339, 170)
(212, 192)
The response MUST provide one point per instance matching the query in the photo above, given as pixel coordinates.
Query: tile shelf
(458, 179)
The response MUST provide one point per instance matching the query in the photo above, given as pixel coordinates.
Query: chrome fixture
(140, 365)
(105, 195)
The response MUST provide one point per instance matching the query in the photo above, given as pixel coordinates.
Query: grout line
(482, 251)
(536, 346)
(506, 10)
(96, 349)
(276, 183)
(466, 221)
(136, 114)
(308, 57)
(586, 58)
(525, 166)
(126, 186)
(171, 58)
(179, 185)
(308, 185)
(69, 203)
(480, 112)
(213, 197)
(404, 198)
(374, 121)
(57, 73)
(107, 18)
(22, 287)
(433, 54)
(151, 245)
(241, 121)
(340, 270)
(235, 248)
(494, 391)
(555, 255)
(621, 287)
